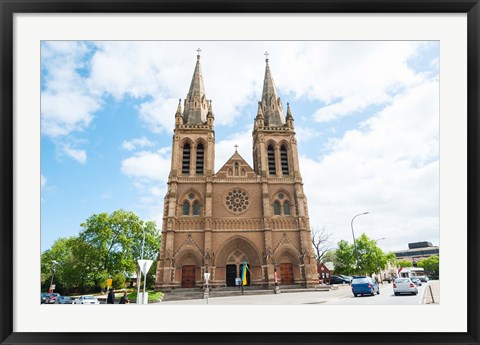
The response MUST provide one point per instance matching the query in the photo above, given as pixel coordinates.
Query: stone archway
(234, 253)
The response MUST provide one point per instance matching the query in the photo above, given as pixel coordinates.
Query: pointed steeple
(195, 106)
(178, 114)
(271, 103)
(289, 116)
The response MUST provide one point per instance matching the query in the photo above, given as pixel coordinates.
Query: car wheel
(373, 292)
(396, 293)
(378, 292)
(355, 295)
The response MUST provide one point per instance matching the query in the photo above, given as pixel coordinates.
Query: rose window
(237, 201)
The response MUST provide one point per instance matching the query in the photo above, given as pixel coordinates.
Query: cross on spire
(236, 147)
(198, 53)
(266, 56)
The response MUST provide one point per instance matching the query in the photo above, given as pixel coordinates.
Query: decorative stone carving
(237, 201)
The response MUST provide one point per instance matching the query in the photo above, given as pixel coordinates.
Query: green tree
(109, 244)
(371, 259)
(431, 265)
(329, 256)
(118, 281)
(404, 263)
(345, 262)
(117, 240)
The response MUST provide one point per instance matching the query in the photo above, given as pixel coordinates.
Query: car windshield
(401, 280)
(89, 297)
(360, 281)
(65, 297)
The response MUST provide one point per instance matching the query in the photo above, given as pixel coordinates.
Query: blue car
(364, 286)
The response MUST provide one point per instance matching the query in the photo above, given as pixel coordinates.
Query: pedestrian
(124, 299)
(111, 297)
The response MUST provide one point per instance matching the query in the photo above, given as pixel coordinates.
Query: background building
(214, 222)
(417, 251)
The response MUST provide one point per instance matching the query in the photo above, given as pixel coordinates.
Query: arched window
(271, 160)
(196, 208)
(186, 159)
(276, 208)
(200, 155)
(236, 169)
(284, 159)
(286, 208)
(186, 208)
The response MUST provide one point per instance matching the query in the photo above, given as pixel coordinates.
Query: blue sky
(366, 117)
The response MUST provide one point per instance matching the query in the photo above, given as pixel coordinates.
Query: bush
(118, 281)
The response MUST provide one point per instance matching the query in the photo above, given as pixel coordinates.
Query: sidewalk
(432, 289)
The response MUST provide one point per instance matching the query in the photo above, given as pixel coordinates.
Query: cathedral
(216, 221)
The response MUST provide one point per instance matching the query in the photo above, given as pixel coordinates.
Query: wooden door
(286, 274)
(188, 276)
(231, 274)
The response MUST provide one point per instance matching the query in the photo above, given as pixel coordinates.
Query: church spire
(195, 107)
(272, 106)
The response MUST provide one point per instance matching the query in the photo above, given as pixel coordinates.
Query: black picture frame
(10, 7)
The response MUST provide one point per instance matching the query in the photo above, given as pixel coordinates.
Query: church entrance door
(188, 276)
(231, 271)
(286, 274)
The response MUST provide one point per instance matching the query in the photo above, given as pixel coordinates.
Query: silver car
(404, 285)
(87, 299)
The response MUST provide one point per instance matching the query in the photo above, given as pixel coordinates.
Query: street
(342, 296)
(386, 297)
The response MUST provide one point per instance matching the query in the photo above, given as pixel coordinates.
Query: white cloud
(133, 144)
(79, 155)
(66, 104)
(390, 168)
(224, 149)
(147, 165)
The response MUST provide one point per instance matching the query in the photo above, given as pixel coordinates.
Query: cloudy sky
(366, 117)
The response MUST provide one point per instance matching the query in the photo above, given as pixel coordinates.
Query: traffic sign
(109, 282)
(144, 265)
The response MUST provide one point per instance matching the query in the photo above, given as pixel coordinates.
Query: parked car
(339, 280)
(44, 296)
(348, 278)
(52, 298)
(416, 281)
(86, 299)
(364, 286)
(404, 285)
(64, 300)
(423, 279)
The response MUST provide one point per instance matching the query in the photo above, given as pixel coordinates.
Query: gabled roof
(244, 169)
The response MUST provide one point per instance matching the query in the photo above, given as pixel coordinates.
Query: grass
(152, 296)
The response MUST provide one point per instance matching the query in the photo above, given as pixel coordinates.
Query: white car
(404, 285)
(87, 299)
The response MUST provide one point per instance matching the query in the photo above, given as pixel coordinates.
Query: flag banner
(244, 273)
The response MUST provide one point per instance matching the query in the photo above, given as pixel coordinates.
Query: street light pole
(354, 242)
(139, 272)
(55, 263)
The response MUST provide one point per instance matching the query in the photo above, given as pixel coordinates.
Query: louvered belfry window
(271, 160)
(186, 159)
(200, 156)
(284, 160)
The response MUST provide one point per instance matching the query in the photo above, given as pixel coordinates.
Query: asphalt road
(386, 297)
(341, 296)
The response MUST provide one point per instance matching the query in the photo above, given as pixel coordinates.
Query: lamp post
(275, 276)
(139, 272)
(55, 263)
(354, 242)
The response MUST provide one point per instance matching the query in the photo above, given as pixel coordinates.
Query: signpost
(206, 275)
(144, 267)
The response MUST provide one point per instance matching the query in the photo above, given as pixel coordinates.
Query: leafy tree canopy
(108, 245)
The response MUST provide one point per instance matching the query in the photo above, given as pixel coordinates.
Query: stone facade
(214, 222)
